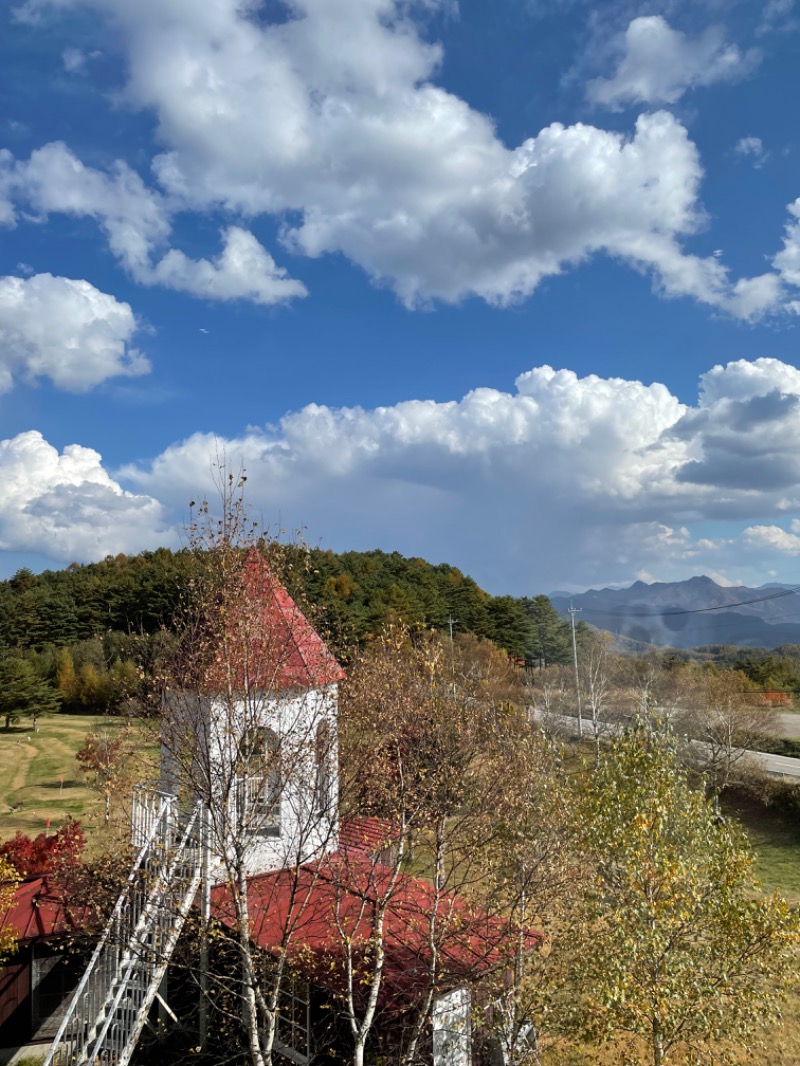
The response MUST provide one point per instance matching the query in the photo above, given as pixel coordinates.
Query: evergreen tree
(550, 634)
(508, 625)
(23, 692)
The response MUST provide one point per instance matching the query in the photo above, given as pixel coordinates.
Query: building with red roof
(253, 735)
(37, 979)
(249, 792)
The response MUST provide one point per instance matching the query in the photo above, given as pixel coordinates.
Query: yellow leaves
(678, 944)
(8, 883)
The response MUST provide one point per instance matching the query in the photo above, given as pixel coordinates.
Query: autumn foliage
(46, 853)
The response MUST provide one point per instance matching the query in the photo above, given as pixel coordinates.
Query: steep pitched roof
(250, 635)
(288, 651)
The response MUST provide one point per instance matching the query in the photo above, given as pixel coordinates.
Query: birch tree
(681, 953)
(597, 687)
(238, 734)
(527, 848)
(416, 738)
(106, 760)
(727, 718)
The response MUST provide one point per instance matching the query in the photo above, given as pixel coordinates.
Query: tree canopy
(97, 638)
(682, 954)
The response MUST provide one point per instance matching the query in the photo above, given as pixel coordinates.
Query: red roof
(37, 910)
(366, 835)
(255, 638)
(289, 653)
(310, 900)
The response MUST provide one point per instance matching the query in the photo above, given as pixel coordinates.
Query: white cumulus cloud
(66, 506)
(133, 217)
(331, 121)
(65, 330)
(244, 270)
(660, 64)
(137, 223)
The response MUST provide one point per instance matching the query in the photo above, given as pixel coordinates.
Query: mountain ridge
(693, 612)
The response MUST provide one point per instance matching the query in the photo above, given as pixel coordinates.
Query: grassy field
(775, 837)
(41, 781)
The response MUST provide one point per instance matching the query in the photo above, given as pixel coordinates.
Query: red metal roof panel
(314, 902)
(37, 910)
(293, 655)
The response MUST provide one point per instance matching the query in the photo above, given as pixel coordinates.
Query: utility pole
(572, 612)
(450, 623)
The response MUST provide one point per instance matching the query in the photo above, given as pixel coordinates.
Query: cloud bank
(561, 481)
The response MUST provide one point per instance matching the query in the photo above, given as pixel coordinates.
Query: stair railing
(147, 956)
(97, 1001)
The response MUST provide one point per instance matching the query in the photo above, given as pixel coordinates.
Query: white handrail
(133, 956)
(113, 923)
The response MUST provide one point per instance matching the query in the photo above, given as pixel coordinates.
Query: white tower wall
(267, 769)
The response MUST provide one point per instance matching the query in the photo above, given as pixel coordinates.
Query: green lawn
(775, 837)
(40, 779)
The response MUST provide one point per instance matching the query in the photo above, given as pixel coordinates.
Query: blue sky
(514, 285)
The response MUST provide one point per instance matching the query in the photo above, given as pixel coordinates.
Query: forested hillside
(92, 637)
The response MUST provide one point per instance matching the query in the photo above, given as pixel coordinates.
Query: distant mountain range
(687, 614)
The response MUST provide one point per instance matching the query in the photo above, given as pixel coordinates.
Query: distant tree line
(92, 638)
(771, 670)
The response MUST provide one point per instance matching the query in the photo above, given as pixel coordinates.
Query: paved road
(778, 765)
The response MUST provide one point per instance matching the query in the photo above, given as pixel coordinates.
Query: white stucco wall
(202, 741)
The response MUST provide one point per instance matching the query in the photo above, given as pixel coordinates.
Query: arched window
(261, 757)
(323, 769)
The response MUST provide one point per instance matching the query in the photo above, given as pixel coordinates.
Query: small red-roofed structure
(37, 911)
(38, 976)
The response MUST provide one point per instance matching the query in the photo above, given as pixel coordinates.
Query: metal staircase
(110, 1005)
